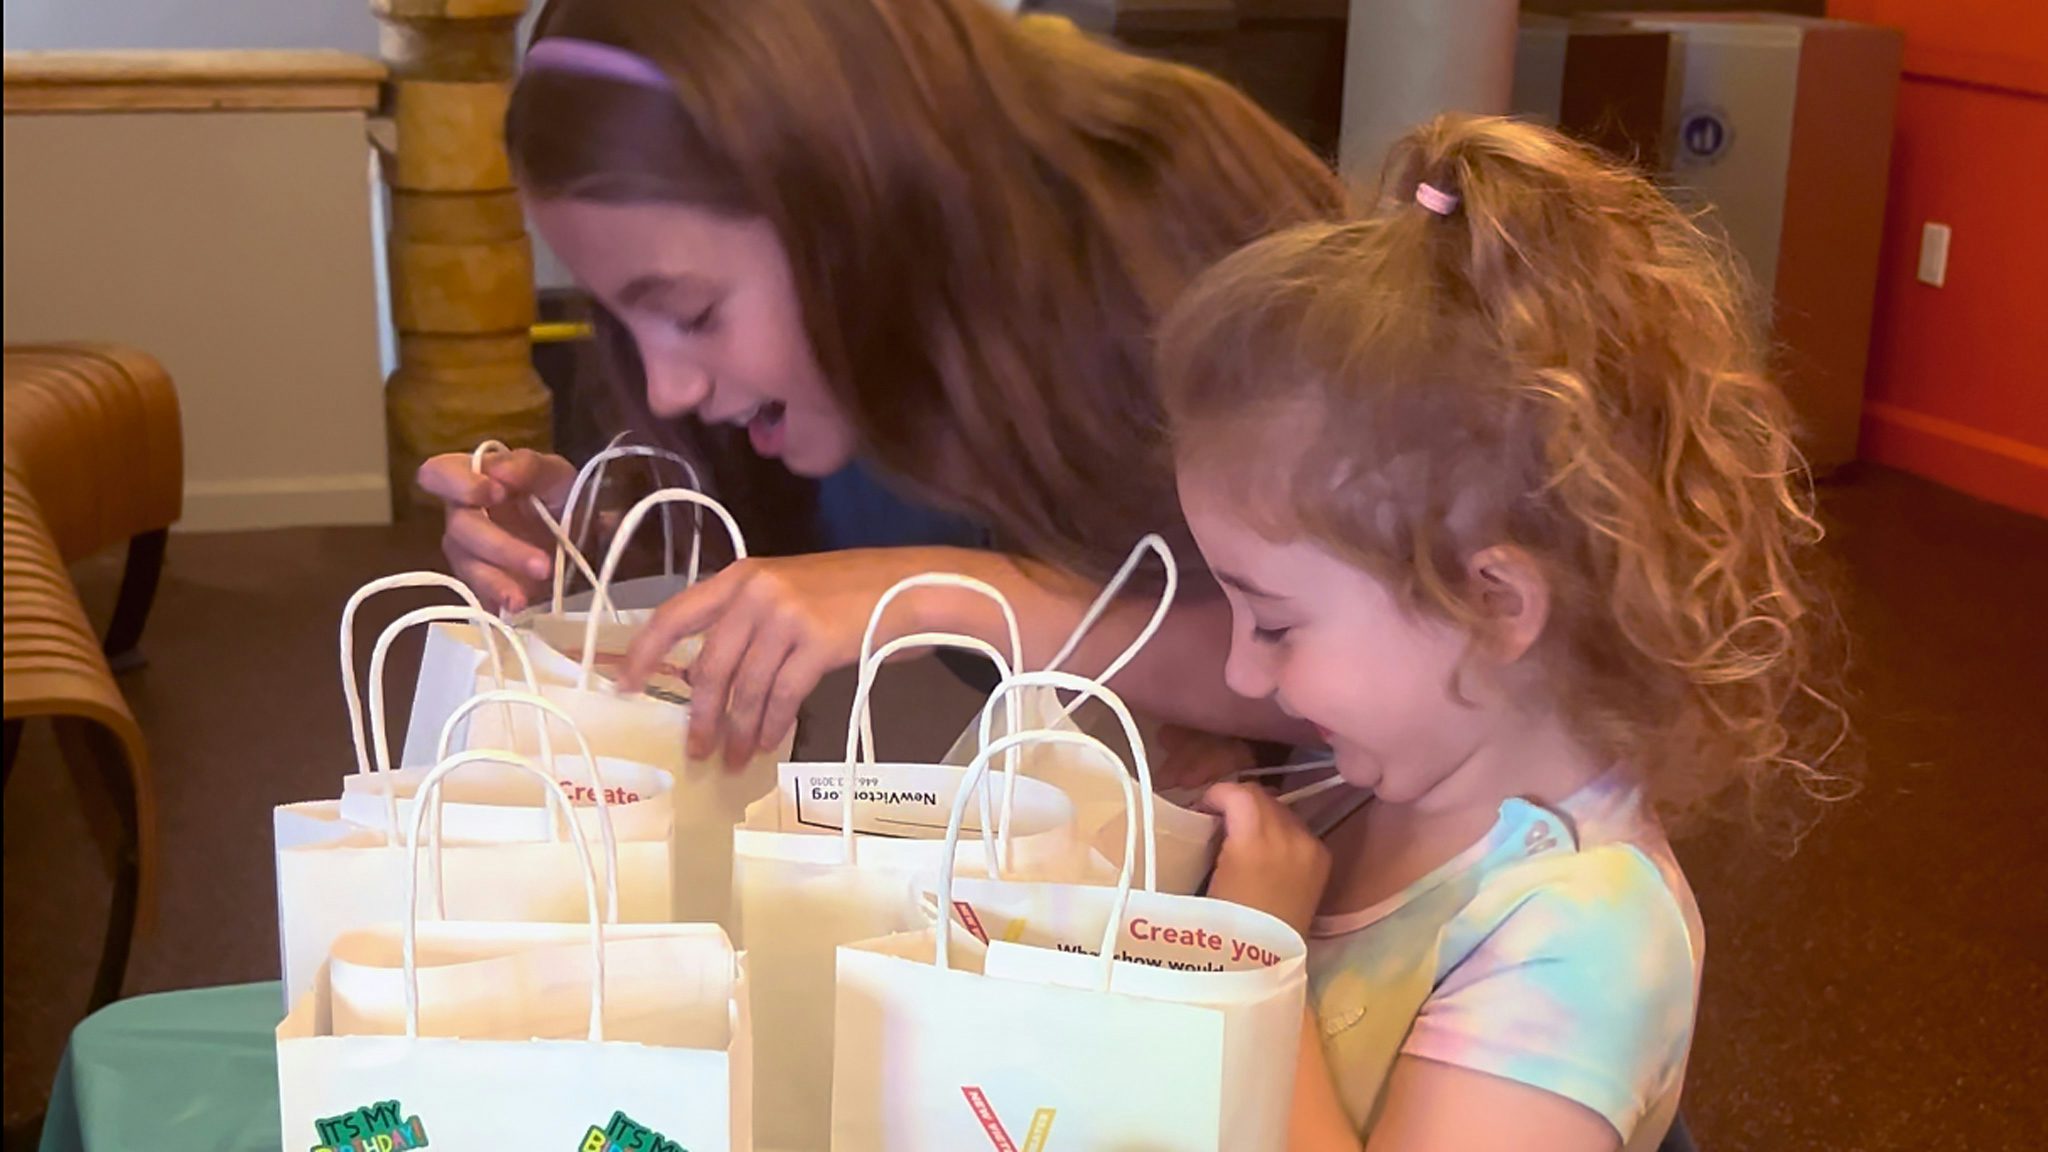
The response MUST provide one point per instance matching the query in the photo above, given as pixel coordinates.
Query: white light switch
(1934, 254)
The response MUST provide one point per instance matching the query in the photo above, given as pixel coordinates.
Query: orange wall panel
(1958, 383)
(1975, 349)
(2001, 43)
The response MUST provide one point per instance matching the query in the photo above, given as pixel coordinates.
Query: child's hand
(1270, 860)
(493, 540)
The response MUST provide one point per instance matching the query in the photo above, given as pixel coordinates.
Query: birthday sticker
(381, 1127)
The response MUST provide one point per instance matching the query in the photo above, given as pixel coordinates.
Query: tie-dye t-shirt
(1562, 951)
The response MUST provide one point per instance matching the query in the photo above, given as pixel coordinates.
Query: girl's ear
(1511, 597)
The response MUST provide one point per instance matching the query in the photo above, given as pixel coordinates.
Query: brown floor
(1876, 991)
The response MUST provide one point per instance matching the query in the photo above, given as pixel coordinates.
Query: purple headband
(595, 58)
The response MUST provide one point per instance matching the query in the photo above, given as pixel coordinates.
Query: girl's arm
(1444, 1108)
(1435, 1107)
(774, 627)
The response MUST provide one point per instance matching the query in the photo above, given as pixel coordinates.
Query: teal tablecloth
(175, 1072)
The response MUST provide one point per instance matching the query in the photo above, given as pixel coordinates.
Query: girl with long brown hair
(923, 236)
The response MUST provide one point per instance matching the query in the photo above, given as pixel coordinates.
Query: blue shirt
(856, 509)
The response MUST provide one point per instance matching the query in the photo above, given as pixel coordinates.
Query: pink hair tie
(1435, 199)
(594, 58)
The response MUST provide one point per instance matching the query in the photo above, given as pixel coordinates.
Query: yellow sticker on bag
(1041, 1128)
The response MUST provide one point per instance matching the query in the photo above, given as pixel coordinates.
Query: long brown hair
(1527, 344)
(985, 215)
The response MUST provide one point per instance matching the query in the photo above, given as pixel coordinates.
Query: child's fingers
(478, 536)
(449, 479)
(1242, 806)
(497, 590)
(532, 473)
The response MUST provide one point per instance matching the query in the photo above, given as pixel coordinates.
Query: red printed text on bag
(585, 794)
(999, 1136)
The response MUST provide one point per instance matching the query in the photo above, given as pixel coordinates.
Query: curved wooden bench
(93, 458)
(96, 434)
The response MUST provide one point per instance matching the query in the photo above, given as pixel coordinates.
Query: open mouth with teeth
(765, 427)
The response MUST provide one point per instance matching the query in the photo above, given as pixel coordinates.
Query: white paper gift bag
(455, 664)
(315, 905)
(483, 1035)
(454, 658)
(336, 873)
(502, 804)
(1187, 839)
(490, 806)
(817, 864)
(629, 804)
(651, 728)
(631, 600)
(1039, 1015)
(561, 624)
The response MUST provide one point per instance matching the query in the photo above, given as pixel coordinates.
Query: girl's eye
(1269, 635)
(696, 325)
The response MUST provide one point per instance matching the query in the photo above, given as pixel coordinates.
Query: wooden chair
(95, 433)
(93, 458)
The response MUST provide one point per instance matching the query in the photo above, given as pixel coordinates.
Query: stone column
(461, 265)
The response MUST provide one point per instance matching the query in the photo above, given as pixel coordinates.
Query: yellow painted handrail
(561, 331)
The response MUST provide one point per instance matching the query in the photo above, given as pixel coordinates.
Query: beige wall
(343, 25)
(238, 248)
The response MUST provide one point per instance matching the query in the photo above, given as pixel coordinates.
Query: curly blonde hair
(1547, 354)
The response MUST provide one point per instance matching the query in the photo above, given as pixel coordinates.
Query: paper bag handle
(1291, 768)
(1152, 544)
(976, 772)
(934, 580)
(549, 708)
(1087, 689)
(592, 476)
(601, 598)
(429, 791)
(382, 584)
(435, 614)
(1312, 788)
(854, 726)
